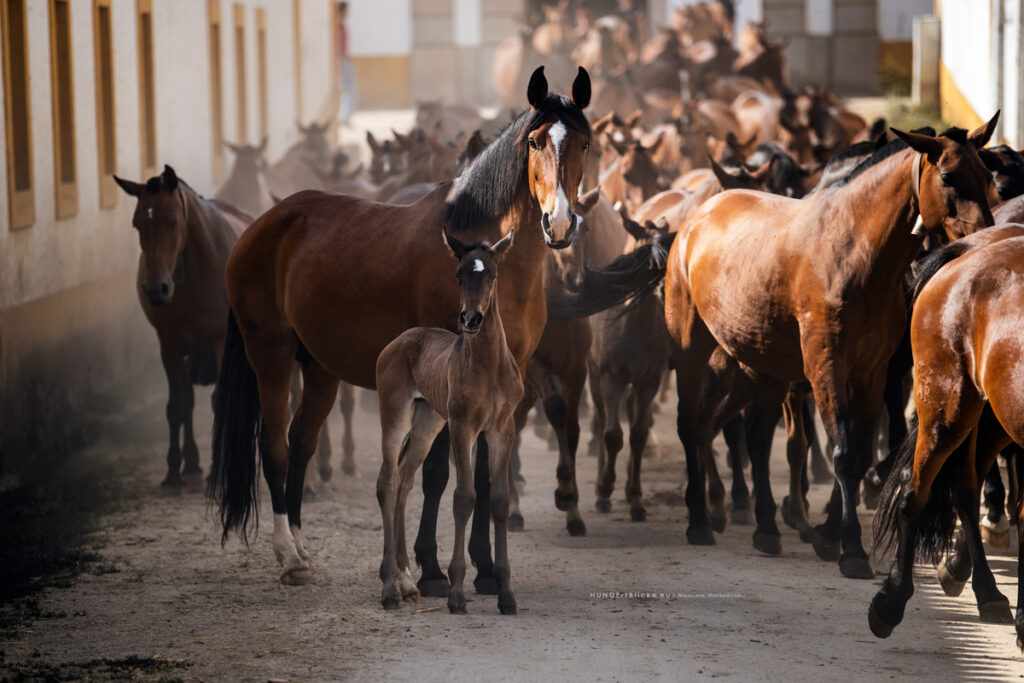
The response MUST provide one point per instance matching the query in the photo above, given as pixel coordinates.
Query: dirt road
(179, 606)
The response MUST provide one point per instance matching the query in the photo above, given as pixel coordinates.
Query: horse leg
(432, 581)
(715, 487)
(794, 508)
(499, 443)
(645, 392)
(1014, 458)
(562, 408)
(611, 391)
(426, 424)
(895, 402)
(515, 516)
(995, 528)
(735, 433)
(764, 414)
(318, 391)
(347, 404)
(177, 379)
(190, 451)
(480, 533)
(1017, 482)
(463, 503)
(395, 418)
(935, 440)
(598, 418)
(820, 470)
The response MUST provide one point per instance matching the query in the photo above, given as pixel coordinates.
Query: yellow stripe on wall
(954, 106)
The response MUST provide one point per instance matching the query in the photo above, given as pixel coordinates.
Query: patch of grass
(132, 667)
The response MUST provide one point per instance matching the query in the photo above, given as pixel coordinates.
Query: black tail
(237, 431)
(938, 519)
(630, 276)
(202, 367)
(932, 264)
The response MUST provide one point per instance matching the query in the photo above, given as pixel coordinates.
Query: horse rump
(237, 435)
(937, 521)
(202, 367)
(630, 276)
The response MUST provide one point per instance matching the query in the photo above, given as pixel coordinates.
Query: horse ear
(475, 145)
(581, 89)
(234, 148)
(537, 90)
(633, 119)
(727, 179)
(170, 178)
(992, 160)
(980, 136)
(925, 144)
(302, 129)
(599, 125)
(372, 141)
(760, 176)
(263, 145)
(588, 201)
(630, 225)
(457, 247)
(658, 142)
(502, 245)
(133, 189)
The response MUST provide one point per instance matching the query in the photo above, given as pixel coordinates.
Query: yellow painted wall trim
(954, 106)
(384, 81)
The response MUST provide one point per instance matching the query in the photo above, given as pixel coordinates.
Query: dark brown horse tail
(932, 264)
(202, 367)
(237, 431)
(628, 277)
(938, 520)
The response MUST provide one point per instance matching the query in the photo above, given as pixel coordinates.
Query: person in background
(346, 72)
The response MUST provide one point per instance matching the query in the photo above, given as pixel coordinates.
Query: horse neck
(488, 347)
(199, 247)
(883, 212)
(521, 285)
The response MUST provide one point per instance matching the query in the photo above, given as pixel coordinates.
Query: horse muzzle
(549, 234)
(158, 293)
(470, 322)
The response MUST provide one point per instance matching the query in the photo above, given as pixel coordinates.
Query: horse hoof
(998, 540)
(951, 585)
(507, 604)
(390, 599)
(700, 535)
(193, 476)
(561, 502)
(603, 505)
(879, 626)
(434, 588)
(326, 473)
(742, 516)
(485, 585)
(717, 522)
(457, 603)
(300, 576)
(995, 612)
(576, 527)
(172, 481)
(770, 544)
(854, 567)
(807, 535)
(825, 549)
(638, 514)
(348, 469)
(515, 522)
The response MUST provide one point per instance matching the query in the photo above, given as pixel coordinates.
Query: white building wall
(383, 27)
(966, 51)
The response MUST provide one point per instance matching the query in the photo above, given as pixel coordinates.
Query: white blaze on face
(478, 266)
(560, 212)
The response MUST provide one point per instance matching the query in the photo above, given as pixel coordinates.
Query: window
(18, 114)
(63, 99)
(261, 67)
(105, 117)
(297, 39)
(242, 132)
(216, 84)
(147, 106)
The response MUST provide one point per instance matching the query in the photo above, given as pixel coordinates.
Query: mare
(185, 242)
(343, 288)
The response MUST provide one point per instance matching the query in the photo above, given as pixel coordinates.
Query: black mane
(485, 190)
(882, 153)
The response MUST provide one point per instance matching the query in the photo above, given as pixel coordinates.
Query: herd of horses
(682, 211)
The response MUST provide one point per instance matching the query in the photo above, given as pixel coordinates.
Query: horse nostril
(165, 289)
(478, 318)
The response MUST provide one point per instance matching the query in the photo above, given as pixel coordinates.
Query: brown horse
(428, 376)
(965, 334)
(775, 283)
(185, 242)
(349, 276)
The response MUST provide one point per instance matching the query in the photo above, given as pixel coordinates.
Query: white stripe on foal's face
(478, 266)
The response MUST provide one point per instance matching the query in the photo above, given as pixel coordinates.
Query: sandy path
(730, 610)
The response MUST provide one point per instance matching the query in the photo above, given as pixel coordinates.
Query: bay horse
(429, 376)
(185, 242)
(774, 281)
(348, 276)
(967, 349)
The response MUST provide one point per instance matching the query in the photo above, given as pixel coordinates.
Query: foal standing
(427, 377)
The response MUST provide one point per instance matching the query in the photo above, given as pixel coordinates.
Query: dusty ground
(172, 603)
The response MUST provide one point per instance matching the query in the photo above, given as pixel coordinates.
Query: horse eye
(533, 144)
(947, 179)
(586, 146)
